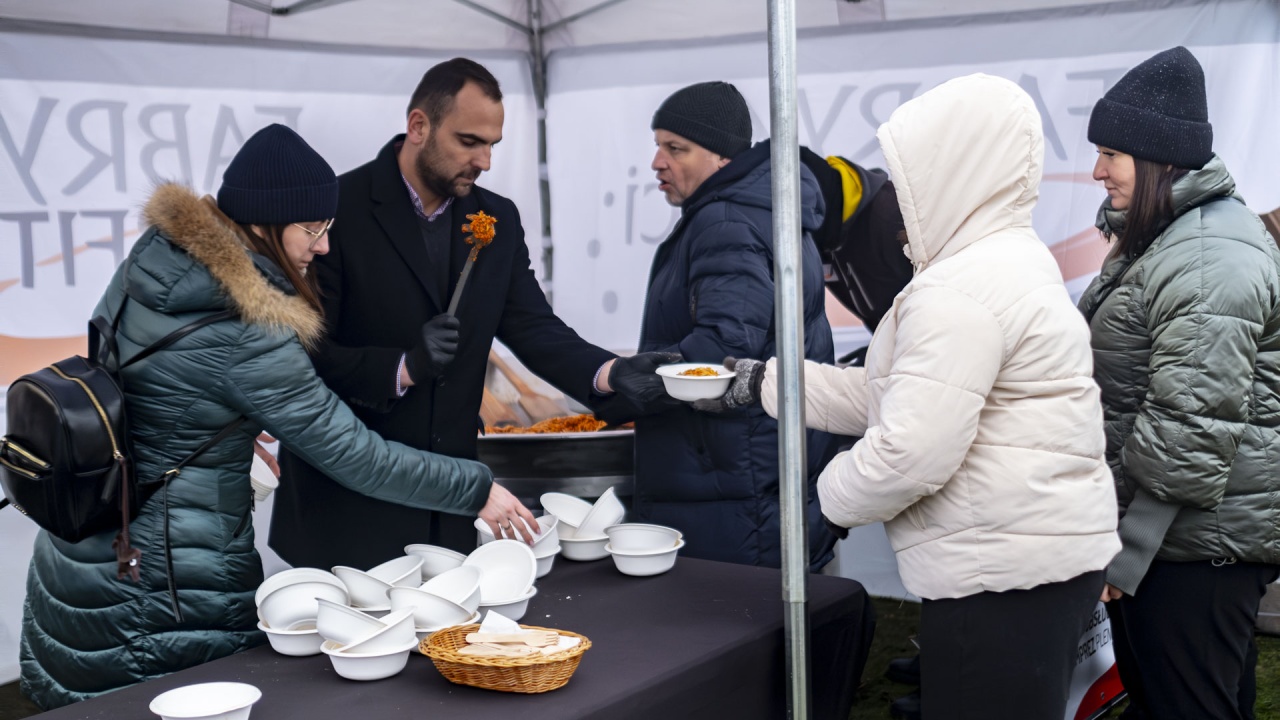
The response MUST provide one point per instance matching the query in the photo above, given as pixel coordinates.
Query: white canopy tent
(97, 100)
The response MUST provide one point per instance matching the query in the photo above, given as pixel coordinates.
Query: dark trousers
(1004, 655)
(1184, 641)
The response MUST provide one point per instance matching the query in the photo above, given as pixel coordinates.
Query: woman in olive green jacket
(1185, 317)
(86, 632)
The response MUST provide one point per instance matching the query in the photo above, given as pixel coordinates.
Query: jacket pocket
(915, 516)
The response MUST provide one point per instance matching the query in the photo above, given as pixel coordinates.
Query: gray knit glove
(743, 392)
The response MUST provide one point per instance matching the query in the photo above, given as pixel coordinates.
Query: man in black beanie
(710, 295)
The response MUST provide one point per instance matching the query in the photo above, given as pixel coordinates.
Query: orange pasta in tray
(701, 372)
(571, 424)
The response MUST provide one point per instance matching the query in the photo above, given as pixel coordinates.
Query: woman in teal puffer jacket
(1185, 318)
(85, 632)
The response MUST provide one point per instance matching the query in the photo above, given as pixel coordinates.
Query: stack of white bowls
(370, 651)
(641, 550)
(368, 589)
(582, 524)
(507, 571)
(546, 540)
(448, 599)
(288, 603)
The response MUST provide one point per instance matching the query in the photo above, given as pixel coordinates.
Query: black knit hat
(277, 179)
(1157, 112)
(711, 114)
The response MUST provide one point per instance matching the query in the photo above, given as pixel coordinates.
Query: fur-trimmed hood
(197, 227)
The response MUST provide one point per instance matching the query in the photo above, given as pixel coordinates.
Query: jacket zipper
(102, 414)
(26, 454)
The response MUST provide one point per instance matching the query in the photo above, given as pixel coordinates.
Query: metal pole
(537, 56)
(790, 346)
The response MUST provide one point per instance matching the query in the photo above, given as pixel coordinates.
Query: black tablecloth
(702, 641)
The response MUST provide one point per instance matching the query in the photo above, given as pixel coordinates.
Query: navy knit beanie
(711, 114)
(1157, 112)
(277, 179)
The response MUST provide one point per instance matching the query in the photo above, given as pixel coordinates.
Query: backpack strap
(177, 335)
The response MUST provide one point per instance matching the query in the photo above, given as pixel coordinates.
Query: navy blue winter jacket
(710, 295)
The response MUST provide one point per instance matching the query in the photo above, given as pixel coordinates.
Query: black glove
(840, 532)
(743, 392)
(435, 349)
(634, 379)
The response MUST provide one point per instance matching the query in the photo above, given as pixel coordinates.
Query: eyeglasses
(315, 234)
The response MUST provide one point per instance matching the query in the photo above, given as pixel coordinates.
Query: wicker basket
(533, 674)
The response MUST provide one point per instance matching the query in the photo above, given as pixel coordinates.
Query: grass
(897, 622)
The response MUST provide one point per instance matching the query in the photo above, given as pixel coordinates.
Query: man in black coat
(411, 371)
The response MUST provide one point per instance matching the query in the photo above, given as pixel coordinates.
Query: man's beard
(441, 185)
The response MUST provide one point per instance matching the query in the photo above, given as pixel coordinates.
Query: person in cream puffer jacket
(982, 444)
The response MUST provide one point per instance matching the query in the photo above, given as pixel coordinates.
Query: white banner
(608, 218)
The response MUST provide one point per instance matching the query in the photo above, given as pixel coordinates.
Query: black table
(704, 641)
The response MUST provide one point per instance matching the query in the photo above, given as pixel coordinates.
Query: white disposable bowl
(292, 576)
(368, 666)
(569, 509)
(509, 568)
(428, 609)
(344, 624)
(512, 609)
(264, 481)
(608, 510)
(629, 537)
(435, 559)
(460, 585)
(544, 537)
(405, 571)
(694, 387)
(584, 548)
(546, 560)
(425, 632)
(207, 701)
(299, 643)
(365, 590)
(643, 564)
(396, 631)
(287, 607)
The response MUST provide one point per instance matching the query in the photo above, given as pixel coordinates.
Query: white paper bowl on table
(404, 571)
(293, 576)
(435, 559)
(508, 569)
(569, 510)
(288, 607)
(511, 609)
(425, 632)
(301, 642)
(428, 609)
(460, 585)
(695, 387)
(366, 591)
(207, 701)
(644, 563)
(368, 666)
(639, 537)
(584, 549)
(546, 558)
(263, 480)
(607, 510)
(397, 629)
(344, 624)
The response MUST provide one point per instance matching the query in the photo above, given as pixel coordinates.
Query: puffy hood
(746, 180)
(966, 159)
(215, 268)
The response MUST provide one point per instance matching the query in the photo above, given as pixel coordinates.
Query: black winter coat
(710, 295)
(378, 289)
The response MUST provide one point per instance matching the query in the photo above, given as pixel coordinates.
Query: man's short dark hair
(442, 83)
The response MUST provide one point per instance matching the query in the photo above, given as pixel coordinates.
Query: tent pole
(538, 61)
(792, 464)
